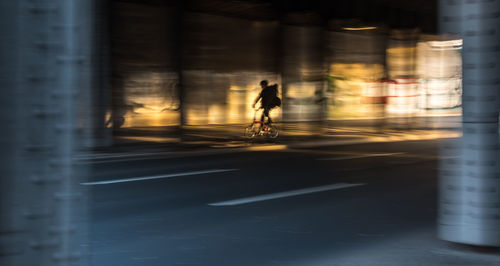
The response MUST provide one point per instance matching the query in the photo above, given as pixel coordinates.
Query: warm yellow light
(357, 71)
(446, 44)
(359, 28)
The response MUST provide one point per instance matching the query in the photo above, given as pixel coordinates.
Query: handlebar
(255, 112)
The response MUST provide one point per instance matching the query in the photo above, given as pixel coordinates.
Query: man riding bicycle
(269, 99)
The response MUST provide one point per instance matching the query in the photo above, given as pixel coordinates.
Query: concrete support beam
(470, 184)
(47, 122)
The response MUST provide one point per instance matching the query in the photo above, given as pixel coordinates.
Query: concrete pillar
(11, 233)
(450, 16)
(46, 123)
(470, 184)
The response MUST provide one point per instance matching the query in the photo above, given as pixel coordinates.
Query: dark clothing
(266, 113)
(268, 96)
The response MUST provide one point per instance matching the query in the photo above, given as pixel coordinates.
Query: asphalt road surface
(369, 204)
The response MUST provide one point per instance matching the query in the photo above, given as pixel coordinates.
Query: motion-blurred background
(123, 132)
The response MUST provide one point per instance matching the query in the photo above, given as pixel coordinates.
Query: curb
(314, 144)
(105, 158)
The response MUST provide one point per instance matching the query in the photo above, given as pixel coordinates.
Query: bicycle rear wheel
(273, 132)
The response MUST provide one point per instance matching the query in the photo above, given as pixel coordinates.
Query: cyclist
(269, 99)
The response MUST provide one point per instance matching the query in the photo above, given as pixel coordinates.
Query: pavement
(341, 194)
(210, 139)
(346, 205)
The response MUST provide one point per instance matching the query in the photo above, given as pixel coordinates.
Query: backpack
(276, 100)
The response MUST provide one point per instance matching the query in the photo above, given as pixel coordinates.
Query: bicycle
(259, 128)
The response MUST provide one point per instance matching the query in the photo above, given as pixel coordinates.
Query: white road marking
(119, 155)
(284, 194)
(105, 182)
(360, 156)
(117, 161)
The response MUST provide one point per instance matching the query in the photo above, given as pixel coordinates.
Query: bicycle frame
(255, 117)
(263, 129)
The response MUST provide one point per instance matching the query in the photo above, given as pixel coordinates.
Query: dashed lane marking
(133, 179)
(350, 157)
(284, 194)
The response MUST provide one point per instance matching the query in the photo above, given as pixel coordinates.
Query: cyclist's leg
(266, 113)
(269, 120)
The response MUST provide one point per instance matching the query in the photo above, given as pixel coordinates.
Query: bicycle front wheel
(250, 132)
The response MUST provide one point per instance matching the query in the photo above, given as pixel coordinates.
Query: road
(367, 204)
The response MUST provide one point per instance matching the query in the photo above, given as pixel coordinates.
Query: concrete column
(470, 184)
(450, 16)
(47, 123)
(11, 233)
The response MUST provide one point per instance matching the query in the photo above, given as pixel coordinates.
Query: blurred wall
(303, 67)
(202, 63)
(224, 59)
(356, 67)
(144, 75)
